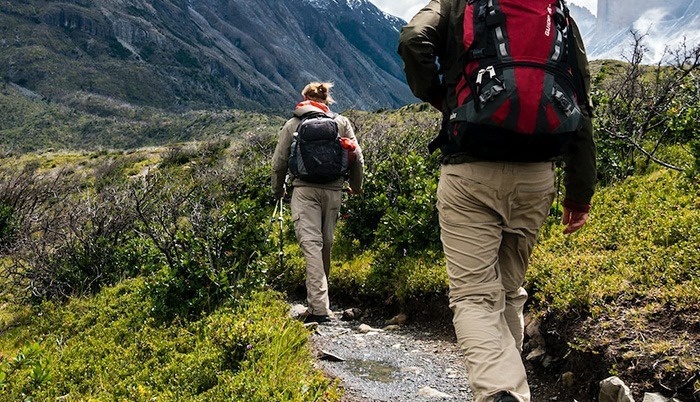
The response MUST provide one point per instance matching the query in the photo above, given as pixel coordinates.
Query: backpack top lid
(516, 30)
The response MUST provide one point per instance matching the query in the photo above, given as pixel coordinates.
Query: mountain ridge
(178, 54)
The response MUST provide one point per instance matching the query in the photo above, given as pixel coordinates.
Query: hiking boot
(316, 318)
(505, 397)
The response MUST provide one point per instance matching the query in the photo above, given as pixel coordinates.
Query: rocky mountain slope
(188, 54)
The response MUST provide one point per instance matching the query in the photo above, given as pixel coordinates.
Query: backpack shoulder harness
(317, 155)
(517, 100)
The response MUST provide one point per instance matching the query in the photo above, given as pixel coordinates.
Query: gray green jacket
(280, 160)
(431, 35)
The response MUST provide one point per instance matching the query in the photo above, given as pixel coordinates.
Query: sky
(408, 8)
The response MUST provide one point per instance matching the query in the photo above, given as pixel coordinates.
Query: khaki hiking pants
(490, 214)
(315, 213)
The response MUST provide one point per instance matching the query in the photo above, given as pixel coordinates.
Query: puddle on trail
(372, 370)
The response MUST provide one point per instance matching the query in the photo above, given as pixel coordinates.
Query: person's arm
(580, 160)
(419, 44)
(280, 159)
(356, 168)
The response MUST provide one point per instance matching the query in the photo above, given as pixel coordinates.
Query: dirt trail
(416, 361)
(406, 363)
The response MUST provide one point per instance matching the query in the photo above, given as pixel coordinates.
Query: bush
(628, 274)
(7, 227)
(110, 348)
(210, 248)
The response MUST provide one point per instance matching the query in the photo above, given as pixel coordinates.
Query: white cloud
(404, 9)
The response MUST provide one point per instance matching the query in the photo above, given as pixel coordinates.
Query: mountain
(664, 23)
(190, 54)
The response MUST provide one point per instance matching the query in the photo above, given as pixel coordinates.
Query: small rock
(351, 314)
(411, 369)
(326, 355)
(433, 393)
(533, 327)
(297, 310)
(657, 398)
(547, 361)
(311, 325)
(391, 328)
(612, 389)
(365, 329)
(536, 354)
(397, 320)
(568, 379)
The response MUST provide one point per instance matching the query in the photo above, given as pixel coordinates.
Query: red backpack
(517, 99)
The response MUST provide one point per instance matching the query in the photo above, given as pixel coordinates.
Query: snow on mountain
(663, 24)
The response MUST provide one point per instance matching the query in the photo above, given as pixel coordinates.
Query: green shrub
(642, 239)
(423, 277)
(109, 347)
(213, 257)
(630, 271)
(6, 224)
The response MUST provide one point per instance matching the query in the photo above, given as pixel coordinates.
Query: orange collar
(319, 105)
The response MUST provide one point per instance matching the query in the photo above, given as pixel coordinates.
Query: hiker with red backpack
(512, 80)
(319, 149)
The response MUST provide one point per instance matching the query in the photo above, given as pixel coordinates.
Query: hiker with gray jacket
(320, 150)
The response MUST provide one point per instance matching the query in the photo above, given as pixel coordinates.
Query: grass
(632, 276)
(108, 347)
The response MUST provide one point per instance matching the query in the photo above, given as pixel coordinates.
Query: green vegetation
(91, 122)
(109, 347)
(145, 265)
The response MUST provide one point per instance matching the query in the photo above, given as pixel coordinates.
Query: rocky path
(391, 361)
(397, 361)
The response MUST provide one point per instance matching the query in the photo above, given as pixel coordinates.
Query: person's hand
(281, 194)
(573, 220)
(350, 191)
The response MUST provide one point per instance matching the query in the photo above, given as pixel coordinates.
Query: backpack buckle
(480, 75)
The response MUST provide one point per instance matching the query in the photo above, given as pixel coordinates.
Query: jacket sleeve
(356, 170)
(280, 159)
(419, 44)
(580, 161)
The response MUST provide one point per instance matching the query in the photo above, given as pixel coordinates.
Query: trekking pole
(281, 223)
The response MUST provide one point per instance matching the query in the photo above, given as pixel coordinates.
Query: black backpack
(317, 155)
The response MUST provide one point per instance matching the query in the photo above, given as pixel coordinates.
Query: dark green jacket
(431, 48)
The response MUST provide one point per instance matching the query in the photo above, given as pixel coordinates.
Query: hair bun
(319, 91)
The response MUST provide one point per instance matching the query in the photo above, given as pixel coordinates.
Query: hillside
(205, 54)
(619, 298)
(29, 122)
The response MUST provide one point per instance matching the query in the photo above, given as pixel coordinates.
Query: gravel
(398, 363)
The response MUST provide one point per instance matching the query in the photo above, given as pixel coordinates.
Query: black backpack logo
(317, 155)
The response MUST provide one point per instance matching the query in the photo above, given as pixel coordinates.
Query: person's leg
(471, 234)
(528, 206)
(307, 217)
(330, 212)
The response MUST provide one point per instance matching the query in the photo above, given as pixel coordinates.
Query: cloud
(405, 9)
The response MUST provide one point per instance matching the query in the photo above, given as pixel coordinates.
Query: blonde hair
(319, 92)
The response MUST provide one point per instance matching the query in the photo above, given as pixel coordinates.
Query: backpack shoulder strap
(317, 113)
(579, 85)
